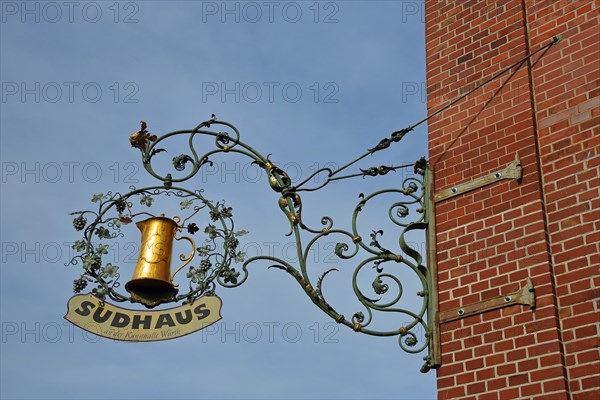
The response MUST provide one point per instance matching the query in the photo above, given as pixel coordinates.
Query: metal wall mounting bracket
(525, 296)
(512, 171)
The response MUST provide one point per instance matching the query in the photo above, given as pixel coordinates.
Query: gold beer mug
(152, 282)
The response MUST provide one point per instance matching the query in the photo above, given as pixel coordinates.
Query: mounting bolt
(498, 175)
(454, 190)
(461, 311)
(508, 299)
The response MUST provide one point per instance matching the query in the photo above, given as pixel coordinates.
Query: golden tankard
(152, 282)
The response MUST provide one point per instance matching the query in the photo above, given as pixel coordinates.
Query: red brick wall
(547, 227)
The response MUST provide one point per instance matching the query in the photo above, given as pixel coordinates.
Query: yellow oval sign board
(110, 321)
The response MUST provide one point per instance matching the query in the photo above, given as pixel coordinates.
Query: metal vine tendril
(221, 249)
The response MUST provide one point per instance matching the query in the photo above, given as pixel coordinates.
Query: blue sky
(313, 83)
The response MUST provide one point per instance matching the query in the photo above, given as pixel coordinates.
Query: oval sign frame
(113, 322)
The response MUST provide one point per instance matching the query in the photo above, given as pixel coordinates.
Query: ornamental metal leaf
(180, 161)
(192, 228)
(379, 287)
(156, 151)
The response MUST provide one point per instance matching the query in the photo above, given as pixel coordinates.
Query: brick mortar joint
(571, 113)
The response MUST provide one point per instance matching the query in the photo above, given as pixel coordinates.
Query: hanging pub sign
(152, 283)
(110, 321)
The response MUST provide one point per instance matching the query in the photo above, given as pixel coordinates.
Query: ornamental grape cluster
(79, 223)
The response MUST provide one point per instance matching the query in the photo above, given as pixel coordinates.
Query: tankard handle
(182, 257)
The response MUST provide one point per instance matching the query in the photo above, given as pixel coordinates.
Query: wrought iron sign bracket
(524, 296)
(213, 263)
(220, 262)
(512, 171)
